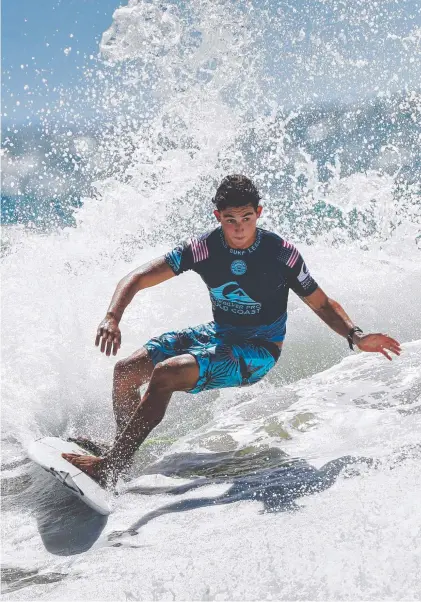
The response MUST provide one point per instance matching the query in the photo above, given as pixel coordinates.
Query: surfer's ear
(217, 215)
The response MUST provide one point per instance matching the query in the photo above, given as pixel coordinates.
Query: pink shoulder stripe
(199, 249)
(294, 253)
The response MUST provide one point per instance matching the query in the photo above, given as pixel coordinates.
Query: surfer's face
(239, 225)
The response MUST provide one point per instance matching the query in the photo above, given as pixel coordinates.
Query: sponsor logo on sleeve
(304, 277)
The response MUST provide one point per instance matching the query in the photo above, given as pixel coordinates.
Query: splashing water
(185, 93)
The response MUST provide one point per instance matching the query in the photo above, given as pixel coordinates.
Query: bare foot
(98, 469)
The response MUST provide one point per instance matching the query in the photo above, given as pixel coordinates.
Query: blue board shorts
(224, 360)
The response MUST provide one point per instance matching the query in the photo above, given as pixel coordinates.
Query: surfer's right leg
(129, 374)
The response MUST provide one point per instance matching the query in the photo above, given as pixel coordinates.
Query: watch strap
(351, 334)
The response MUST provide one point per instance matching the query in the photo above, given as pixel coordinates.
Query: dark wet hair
(236, 191)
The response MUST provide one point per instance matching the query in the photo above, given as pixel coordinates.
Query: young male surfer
(248, 272)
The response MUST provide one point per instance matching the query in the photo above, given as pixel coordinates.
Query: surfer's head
(236, 191)
(237, 210)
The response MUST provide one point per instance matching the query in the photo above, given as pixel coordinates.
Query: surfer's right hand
(109, 334)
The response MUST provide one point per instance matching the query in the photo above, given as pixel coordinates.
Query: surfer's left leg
(129, 374)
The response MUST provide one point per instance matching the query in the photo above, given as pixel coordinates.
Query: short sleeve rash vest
(247, 287)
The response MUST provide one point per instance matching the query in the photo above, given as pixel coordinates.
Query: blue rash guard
(249, 287)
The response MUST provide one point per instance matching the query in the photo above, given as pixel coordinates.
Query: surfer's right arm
(147, 275)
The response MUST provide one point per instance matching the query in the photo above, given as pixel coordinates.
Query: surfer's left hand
(380, 343)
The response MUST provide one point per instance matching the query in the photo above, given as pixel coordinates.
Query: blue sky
(50, 40)
(46, 44)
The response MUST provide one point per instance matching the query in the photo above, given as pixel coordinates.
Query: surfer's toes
(98, 469)
(72, 458)
(83, 461)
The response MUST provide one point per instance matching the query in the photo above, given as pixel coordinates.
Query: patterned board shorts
(223, 360)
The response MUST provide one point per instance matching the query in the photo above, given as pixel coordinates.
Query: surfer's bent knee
(132, 364)
(120, 367)
(163, 376)
(172, 375)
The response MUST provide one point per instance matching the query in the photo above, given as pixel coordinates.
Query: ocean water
(305, 486)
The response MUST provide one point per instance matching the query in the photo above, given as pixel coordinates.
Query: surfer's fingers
(394, 344)
(116, 345)
(391, 345)
(98, 335)
(103, 342)
(109, 344)
(385, 353)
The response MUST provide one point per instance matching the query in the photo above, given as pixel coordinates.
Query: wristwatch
(351, 334)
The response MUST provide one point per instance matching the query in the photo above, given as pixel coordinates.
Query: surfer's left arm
(333, 314)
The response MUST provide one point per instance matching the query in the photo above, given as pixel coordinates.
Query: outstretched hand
(109, 335)
(380, 343)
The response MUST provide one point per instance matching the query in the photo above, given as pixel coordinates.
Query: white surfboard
(47, 453)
